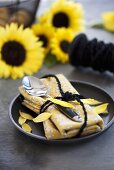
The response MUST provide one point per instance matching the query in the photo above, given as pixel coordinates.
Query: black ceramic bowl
(88, 90)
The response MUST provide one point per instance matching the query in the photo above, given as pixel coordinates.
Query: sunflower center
(64, 46)
(44, 39)
(13, 53)
(60, 20)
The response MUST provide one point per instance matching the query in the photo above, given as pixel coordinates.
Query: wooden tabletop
(18, 152)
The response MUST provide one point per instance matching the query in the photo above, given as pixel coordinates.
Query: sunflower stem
(97, 25)
(50, 60)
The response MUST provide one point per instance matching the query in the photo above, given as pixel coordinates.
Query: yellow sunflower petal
(26, 115)
(5, 70)
(21, 120)
(90, 101)
(101, 108)
(42, 117)
(42, 19)
(26, 127)
(61, 103)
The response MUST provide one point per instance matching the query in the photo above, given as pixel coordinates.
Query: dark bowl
(88, 90)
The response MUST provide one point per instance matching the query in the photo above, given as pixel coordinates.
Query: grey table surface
(17, 151)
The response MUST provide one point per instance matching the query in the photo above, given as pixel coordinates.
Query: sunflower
(60, 44)
(20, 52)
(108, 20)
(64, 13)
(44, 32)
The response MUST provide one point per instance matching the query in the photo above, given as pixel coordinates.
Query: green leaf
(98, 25)
(50, 60)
